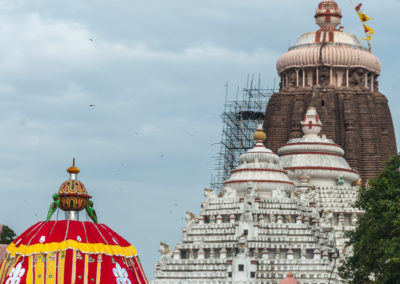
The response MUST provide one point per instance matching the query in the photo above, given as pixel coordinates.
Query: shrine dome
(289, 280)
(262, 167)
(316, 156)
(71, 251)
(330, 46)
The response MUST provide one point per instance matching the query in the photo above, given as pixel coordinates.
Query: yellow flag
(363, 17)
(368, 38)
(368, 30)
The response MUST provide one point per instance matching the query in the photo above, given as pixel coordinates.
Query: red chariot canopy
(69, 251)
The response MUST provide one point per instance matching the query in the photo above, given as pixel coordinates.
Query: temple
(71, 251)
(274, 215)
(281, 218)
(330, 70)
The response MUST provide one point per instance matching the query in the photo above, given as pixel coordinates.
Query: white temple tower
(316, 164)
(256, 231)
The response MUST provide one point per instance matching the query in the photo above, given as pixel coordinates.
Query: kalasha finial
(72, 197)
(260, 135)
(73, 169)
(328, 15)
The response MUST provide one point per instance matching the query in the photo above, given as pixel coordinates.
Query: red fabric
(59, 231)
(107, 275)
(128, 269)
(112, 267)
(20, 269)
(110, 271)
(139, 270)
(68, 266)
(80, 268)
(92, 268)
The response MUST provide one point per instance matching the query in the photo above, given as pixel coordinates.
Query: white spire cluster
(273, 214)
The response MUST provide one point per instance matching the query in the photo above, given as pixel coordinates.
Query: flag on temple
(368, 30)
(368, 38)
(364, 18)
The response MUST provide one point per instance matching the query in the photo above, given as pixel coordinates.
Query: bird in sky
(92, 105)
(91, 39)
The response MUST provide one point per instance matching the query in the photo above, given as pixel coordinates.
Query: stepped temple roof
(319, 157)
(257, 230)
(260, 166)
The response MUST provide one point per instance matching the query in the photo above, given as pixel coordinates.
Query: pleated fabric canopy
(71, 251)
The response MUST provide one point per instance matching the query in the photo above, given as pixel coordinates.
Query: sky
(156, 72)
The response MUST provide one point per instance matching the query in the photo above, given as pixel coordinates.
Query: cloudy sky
(155, 71)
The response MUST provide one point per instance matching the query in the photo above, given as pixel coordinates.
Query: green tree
(7, 235)
(376, 238)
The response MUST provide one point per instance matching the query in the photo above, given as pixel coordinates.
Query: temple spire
(260, 135)
(328, 15)
(311, 124)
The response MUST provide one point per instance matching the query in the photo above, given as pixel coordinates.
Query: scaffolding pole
(240, 120)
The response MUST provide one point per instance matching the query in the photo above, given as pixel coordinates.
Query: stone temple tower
(330, 70)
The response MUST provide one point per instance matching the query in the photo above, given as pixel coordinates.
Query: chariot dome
(71, 251)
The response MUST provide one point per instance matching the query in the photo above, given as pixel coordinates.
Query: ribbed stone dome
(308, 53)
(328, 46)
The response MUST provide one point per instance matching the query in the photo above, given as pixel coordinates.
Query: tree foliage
(7, 235)
(376, 238)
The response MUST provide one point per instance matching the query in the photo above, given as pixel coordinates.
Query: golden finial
(73, 169)
(260, 134)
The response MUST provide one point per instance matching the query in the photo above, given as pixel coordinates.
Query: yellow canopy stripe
(98, 248)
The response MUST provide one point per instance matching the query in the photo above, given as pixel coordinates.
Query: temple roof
(316, 156)
(328, 46)
(260, 166)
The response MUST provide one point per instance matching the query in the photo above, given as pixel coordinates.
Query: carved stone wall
(356, 119)
(329, 76)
